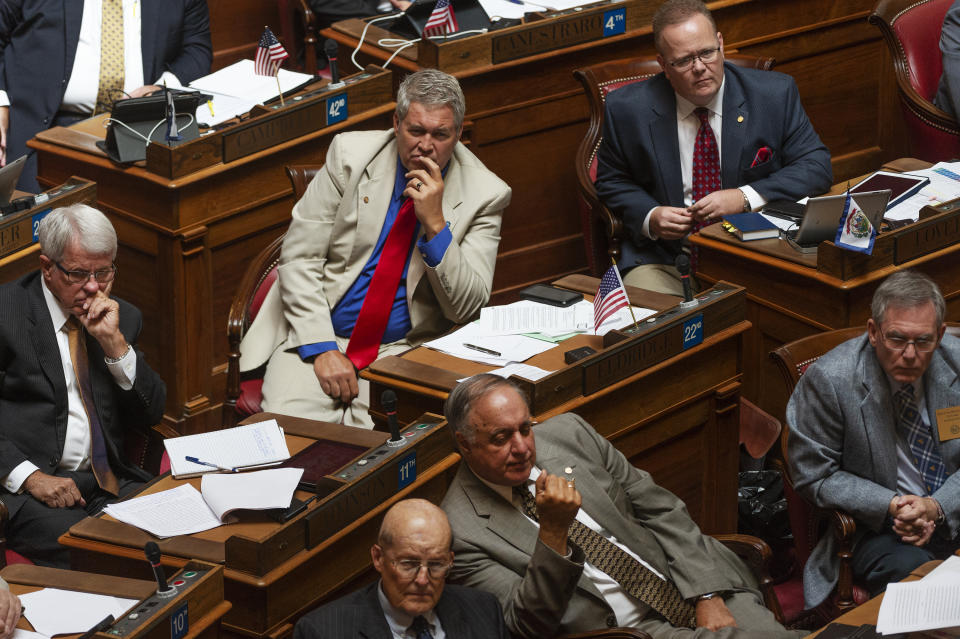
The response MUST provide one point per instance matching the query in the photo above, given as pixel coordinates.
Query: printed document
(53, 611)
(248, 446)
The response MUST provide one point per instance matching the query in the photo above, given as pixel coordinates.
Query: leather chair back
(911, 30)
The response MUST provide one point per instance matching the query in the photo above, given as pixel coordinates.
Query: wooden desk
(529, 115)
(867, 613)
(274, 573)
(186, 239)
(203, 598)
(677, 419)
(792, 295)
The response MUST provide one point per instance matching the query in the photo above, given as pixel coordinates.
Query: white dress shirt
(625, 606)
(688, 125)
(400, 622)
(81, 93)
(76, 445)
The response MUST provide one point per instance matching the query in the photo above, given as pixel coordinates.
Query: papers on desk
(53, 611)
(505, 331)
(237, 88)
(249, 446)
(20, 633)
(944, 186)
(516, 9)
(184, 510)
(533, 373)
(933, 603)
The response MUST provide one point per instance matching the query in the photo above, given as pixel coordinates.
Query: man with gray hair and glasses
(393, 242)
(874, 431)
(71, 383)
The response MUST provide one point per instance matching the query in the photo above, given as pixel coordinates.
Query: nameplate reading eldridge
(547, 35)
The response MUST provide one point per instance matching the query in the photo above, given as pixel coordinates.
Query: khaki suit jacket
(334, 230)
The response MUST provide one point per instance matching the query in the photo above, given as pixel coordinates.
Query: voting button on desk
(614, 22)
(336, 109)
(179, 622)
(693, 331)
(407, 470)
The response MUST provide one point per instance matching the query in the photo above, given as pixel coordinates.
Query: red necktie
(372, 321)
(706, 169)
(81, 368)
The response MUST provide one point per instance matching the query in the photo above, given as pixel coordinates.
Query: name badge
(948, 423)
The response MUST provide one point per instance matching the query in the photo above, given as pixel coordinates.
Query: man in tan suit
(393, 242)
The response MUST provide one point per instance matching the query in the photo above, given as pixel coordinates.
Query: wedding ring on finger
(418, 185)
(571, 483)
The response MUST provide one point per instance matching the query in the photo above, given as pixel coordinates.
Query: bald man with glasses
(411, 599)
(873, 432)
(71, 383)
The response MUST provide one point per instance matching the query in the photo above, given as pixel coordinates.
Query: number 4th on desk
(336, 109)
(615, 22)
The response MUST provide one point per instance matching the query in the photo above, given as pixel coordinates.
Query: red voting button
(179, 582)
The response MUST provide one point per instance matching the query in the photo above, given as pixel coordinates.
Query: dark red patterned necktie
(372, 321)
(706, 170)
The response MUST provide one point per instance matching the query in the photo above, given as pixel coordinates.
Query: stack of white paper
(52, 611)
(933, 603)
(247, 446)
(237, 88)
(184, 510)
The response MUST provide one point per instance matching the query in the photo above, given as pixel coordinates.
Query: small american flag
(442, 20)
(610, 297)
(270, 53)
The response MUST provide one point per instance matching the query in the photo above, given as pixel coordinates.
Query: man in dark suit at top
(62, 61)
(413, 557)
(873, 432)
(71, 382)
(700, 140)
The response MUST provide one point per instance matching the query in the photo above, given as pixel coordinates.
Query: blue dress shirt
(344, 314)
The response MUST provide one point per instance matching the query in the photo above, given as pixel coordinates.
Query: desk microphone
(330, 47)
(389, 401)
(164, 590)
(683, 265)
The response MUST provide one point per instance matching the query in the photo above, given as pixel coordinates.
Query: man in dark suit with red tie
(700, 140)
(71, 383)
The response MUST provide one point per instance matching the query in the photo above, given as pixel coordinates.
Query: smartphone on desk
(550, 295)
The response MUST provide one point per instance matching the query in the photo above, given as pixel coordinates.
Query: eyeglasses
(410, 568)
(898, 343)
(706, 56)
(102, 275)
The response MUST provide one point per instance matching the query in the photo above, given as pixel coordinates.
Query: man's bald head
(414, 515)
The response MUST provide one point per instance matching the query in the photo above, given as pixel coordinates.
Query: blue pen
(194, 460)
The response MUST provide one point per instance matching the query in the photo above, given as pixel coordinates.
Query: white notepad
(249, 446)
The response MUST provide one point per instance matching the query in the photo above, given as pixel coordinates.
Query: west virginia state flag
(855, 232)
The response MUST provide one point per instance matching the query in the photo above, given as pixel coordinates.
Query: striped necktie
(923, 446)
(99, 460)
(635, 578)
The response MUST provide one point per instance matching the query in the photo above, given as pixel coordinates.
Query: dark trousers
(881, 558)
(34, 528)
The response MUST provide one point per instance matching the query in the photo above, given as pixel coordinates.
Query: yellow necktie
(111, 55)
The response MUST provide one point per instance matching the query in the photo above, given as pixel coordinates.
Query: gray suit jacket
(497, 549)
(843, 443)
(335, 228)
(464, 613)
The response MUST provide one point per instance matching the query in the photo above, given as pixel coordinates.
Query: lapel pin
(739, 118)
(568, 470)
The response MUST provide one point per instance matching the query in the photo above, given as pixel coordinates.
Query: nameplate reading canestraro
(948, 423)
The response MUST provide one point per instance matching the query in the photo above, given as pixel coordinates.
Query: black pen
(103, 625)
(481, 349)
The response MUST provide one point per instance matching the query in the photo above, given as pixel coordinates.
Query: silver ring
(418, 185)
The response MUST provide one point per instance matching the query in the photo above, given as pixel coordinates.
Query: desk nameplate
(19, 230)
(631, 350)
